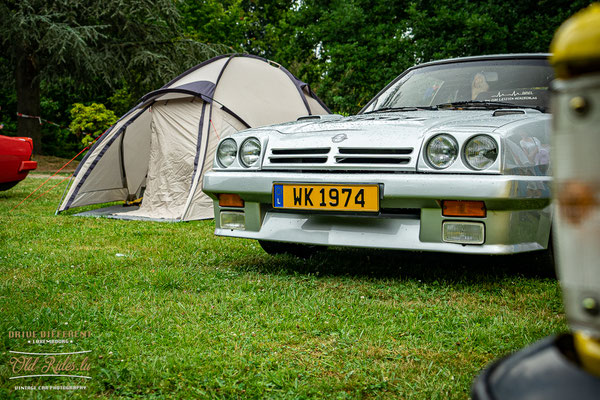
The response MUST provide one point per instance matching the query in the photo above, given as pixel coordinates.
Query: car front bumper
(518, 215)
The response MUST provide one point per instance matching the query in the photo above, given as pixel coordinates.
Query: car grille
(373, 156)
(347, 158)
(299, 156)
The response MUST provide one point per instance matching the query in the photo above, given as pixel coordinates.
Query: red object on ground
(15, 160)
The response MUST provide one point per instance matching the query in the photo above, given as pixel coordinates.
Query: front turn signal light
(230, 200)
(463, 208)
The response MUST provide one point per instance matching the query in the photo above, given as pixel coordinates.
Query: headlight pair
(479, 152)
(249, 152)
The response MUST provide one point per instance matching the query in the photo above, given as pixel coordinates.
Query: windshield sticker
(515, 95)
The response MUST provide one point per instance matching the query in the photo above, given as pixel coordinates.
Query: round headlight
(250, 152)
(226, 152)
(441, 151)
(480, 152)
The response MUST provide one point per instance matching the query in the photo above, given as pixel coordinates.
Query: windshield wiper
(406, 108)
(486, 104)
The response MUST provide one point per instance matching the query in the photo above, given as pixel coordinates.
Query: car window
(521, 82)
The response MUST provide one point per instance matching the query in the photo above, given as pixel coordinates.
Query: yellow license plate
(330, 197)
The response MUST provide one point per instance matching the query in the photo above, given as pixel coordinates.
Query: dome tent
(162, 147)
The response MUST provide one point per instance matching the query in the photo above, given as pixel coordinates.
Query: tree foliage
(110, 40)
(349, 50)
(251, 26)
(99, 42)
(445, 28)
(89, 122)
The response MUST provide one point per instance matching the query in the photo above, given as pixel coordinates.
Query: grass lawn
(175, 312)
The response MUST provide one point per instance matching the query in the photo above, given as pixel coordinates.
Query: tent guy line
(50, 177)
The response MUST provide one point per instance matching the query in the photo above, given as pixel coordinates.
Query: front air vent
(299, 156)
(321, 150)
(308, 117)
(373, 156)
(299, 160)
(371, 160)
(374, 151)
(499, 113)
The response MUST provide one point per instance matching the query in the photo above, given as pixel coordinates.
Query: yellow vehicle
(568, 366)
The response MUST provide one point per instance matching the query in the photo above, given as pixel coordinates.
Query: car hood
(380, 141)
(421, 121)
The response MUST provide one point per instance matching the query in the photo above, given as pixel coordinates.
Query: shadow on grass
(12, 194)
(402, 265)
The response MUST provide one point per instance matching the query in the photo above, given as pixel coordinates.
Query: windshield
(520, 82)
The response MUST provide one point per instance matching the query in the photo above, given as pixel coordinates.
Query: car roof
(515, 56)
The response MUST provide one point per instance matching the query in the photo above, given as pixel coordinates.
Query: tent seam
(189, 71)
(196, 160)
(206, 144)
(228, 111)
(296, 83)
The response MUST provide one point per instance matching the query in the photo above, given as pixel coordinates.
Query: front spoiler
(374, 232)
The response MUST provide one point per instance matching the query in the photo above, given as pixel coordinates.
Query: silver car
(452, 156)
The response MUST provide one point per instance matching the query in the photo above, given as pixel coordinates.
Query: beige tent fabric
(209, 72)
(101, 196)
(200, 157)
(171, 162)
(315, 107)
(220, 126)
(110, 179)
(136, 153)
(259, 93)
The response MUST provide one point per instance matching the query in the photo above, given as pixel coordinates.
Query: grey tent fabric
(162, 147)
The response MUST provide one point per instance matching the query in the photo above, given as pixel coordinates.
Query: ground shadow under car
(422, 266)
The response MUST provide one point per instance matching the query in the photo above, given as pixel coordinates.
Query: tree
(455, 28)
(98, 41)
(251, 26)
(348, 50)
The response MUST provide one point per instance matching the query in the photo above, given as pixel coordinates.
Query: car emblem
(339, 138)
